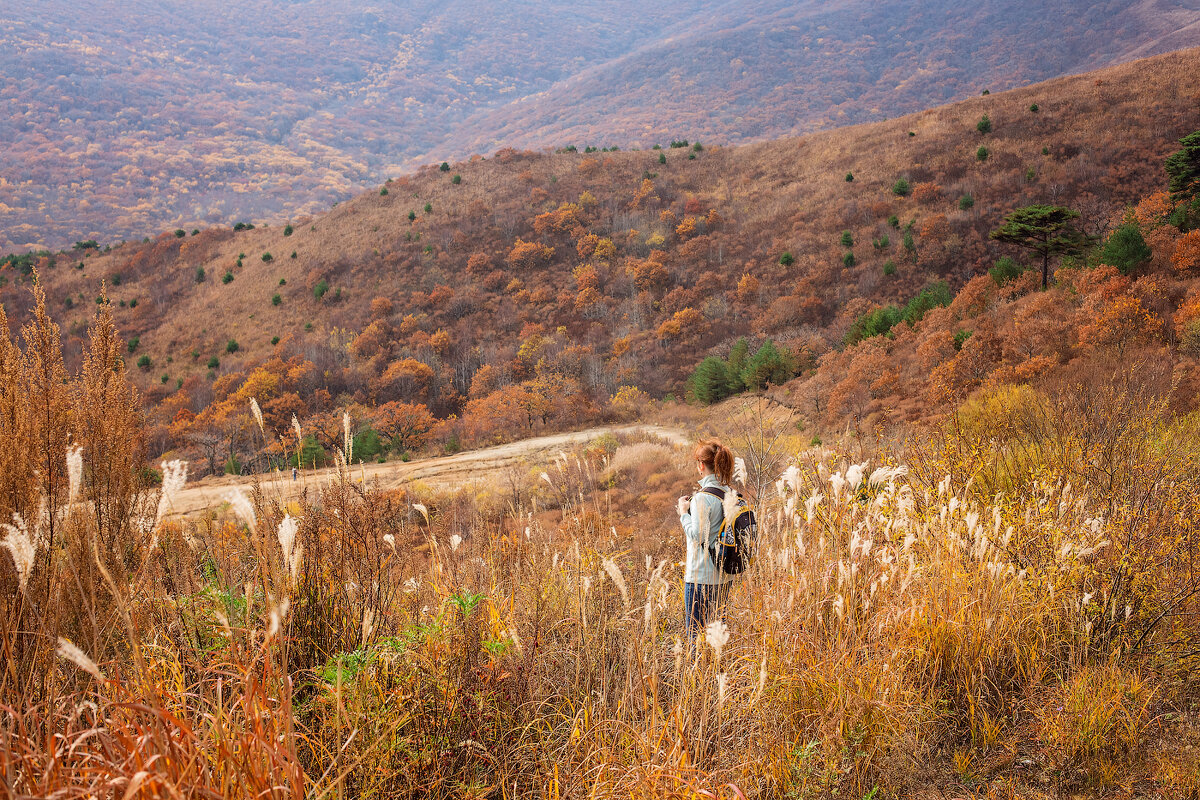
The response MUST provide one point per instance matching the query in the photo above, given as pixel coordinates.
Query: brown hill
(184, 114)
(567, 276)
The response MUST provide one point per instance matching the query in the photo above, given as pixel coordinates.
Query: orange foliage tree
(1186, 258)
(567, 218)
(406, 379)
(748, 289)
(927, 192)
(405, 426)
(529, 255)
(687, 323)
(1118, 322)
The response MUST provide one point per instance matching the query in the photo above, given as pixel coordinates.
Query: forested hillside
(492, 297)
(187, 114)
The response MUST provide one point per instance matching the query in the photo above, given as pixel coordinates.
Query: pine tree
(1048, 230)
(710, 382)
(770, 365)
(737, 363)
(1183, 168)
(1125, 249)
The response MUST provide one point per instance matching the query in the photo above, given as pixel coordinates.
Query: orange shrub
(1186, 258)
(683, 324)
(748, 289)
(927, 193)
(527, 255)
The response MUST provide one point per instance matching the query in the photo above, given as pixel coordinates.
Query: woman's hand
(683, 504)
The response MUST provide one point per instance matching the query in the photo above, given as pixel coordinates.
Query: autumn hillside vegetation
(526, 291)
(1003, 604)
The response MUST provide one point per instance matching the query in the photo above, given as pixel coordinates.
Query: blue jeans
(702, 603)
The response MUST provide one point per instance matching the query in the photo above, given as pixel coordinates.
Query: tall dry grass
(1007, 601)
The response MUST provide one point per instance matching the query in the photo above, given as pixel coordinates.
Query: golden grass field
(1001, 605)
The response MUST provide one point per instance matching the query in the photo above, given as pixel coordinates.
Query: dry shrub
(639, 460)
(1097, 721)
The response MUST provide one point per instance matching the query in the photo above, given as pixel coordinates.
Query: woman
(701, 514)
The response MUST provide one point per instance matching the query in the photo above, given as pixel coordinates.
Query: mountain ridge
(214, 118)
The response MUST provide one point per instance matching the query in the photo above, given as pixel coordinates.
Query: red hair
(716, 457)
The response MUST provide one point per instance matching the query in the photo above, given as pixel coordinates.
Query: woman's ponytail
(718, 458)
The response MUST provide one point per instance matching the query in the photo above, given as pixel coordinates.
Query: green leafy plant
(1125, 248)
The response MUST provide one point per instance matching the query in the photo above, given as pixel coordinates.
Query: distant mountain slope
(769, 68)
(123, 119)
(606, 254)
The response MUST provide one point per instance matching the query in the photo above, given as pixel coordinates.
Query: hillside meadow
(504, 296)
(999, 605)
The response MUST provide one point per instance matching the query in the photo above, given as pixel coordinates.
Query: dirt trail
(480, 467)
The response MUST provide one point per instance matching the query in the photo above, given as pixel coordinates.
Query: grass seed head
(242, 507)
(74, 472)
(69, 652)
(258, 417)
(716, 633)
(21, 546)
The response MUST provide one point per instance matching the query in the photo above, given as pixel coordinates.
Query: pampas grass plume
(21, 546)
(739, 470)
(614, 572)
(242, 506)
(67, 651)
(278, 613)
(716, 633)
(74, 472)
(258, 417)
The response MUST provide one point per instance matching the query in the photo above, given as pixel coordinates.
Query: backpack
(733, 550)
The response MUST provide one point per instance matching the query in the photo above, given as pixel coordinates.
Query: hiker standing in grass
(705, 587)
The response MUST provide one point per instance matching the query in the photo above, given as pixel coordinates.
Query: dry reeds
(904, 624)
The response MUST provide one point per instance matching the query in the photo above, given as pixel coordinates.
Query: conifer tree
(1048, 230)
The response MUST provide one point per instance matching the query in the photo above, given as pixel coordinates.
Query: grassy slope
(1107, 133)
